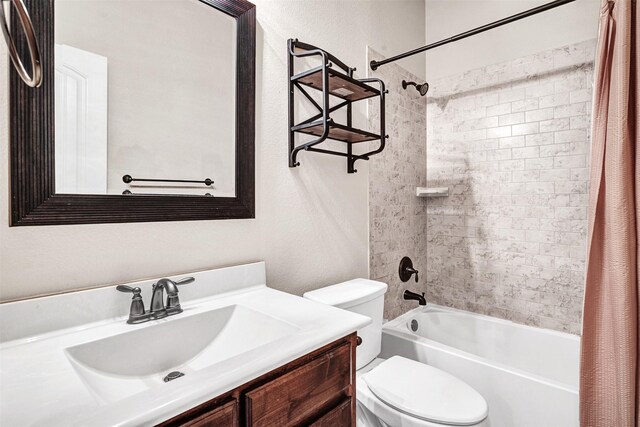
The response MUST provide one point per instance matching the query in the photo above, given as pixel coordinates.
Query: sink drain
(172, 376)
(414, 325)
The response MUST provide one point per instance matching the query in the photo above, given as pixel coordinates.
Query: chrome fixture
(35, 79)
(173, 302)
(423, 88)
(406, 270)
(172, 376)
(136, 312)
(158, 308)
(408, 295)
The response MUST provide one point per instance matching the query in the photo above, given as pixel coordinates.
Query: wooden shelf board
(340, 132)
(340, 85)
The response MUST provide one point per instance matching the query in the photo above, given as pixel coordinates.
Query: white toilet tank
(364, 297)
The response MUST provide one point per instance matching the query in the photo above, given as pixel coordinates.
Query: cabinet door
(225, 415)
(303, 394)
(340, 416)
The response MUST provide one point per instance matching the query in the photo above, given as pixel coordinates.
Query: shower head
(423, 88)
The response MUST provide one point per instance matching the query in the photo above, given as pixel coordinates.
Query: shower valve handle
(406, 270)
(413, 271)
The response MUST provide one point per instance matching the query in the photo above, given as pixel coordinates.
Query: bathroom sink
(121, 365)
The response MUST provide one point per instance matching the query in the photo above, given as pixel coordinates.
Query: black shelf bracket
(335, 79)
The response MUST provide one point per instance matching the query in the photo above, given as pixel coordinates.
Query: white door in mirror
(81, 80)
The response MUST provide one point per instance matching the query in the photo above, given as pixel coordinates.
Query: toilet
(399, 392)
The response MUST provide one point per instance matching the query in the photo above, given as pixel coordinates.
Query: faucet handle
(185, 280)
(173, 301)
(124, 288)
(136, 311)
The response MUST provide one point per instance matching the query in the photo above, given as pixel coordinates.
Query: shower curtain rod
(375, 64)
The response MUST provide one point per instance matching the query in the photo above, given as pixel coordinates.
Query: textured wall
(397, 218)
(311, 222)
(511, 142)
(565, 25)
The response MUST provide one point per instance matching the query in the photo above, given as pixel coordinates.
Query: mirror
(145, 90)
(146, 113)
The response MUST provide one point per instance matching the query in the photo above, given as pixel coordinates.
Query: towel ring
(36, 66)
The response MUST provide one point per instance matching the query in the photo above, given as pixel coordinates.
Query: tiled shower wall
(511, 141)
(397, 218)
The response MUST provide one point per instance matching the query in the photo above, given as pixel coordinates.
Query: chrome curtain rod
(543, 8)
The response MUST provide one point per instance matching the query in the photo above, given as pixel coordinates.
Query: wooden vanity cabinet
(317, 390)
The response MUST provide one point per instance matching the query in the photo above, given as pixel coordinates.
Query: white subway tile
(499, 132)
(524, 129)
(525, 152)
(580, 122)
(512, 141)
(568, 148)
(511, 95)
(539, 139)
(540, 163)
(581, 95)
(570, 187)
(540, 90)
(555, 249)
(553, 175)
(555, 125)
(540, 236)
(500, 154)
(539, 115)
(525, 175)
(497, 110)
(524, 105)
(555, 100)
(580, 174)
(570, 135)
(577, 161)
(577, 109)
(571, 212)
(511, 119)
(540, 187)
(485, 144)
(511, 165)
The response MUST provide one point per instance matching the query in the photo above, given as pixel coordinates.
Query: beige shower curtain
(610, 375)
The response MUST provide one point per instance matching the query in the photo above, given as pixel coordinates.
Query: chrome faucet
(173, 302)
(158, 308)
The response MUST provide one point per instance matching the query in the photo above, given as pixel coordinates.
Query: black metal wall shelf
(330, 82)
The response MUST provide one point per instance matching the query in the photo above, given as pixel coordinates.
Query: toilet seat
(418, 394)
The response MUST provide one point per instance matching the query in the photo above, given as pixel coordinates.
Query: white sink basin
(118, 366)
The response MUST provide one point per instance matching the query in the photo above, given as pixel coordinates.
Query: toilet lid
(425, 392)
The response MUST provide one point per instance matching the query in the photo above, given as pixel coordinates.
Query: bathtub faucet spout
(408, 295)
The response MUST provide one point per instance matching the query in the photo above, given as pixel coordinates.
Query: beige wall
(311, 222)
(567, 24)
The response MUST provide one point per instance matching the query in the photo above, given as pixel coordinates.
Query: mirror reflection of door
(164, 110)
(81, 121)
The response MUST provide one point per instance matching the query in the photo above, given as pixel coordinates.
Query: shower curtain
(610, 375)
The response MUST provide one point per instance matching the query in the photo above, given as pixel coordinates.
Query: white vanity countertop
(39, 385)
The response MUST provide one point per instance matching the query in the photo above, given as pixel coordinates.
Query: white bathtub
(528, 375)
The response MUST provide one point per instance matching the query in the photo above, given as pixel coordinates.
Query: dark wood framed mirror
(34, 200)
